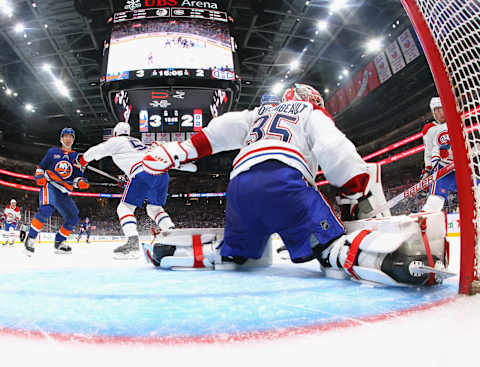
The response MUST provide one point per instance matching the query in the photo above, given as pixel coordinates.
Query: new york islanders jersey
(293, 133)
(127, 153)
(11, 215)
(86, 226)
(63, 164)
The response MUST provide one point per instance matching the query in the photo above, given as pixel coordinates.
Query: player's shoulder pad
(427, 127)
(322, 114)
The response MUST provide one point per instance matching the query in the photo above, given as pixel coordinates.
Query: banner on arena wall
(341, 98)
(178, 137)
(361, 84)
(163, 137)
(383, 69)
(373, 82)
(148, 138)
(395, 57)
(350, 91)
(332, 106)
(408, 46)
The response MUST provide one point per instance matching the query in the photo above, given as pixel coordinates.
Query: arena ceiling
(68, 36)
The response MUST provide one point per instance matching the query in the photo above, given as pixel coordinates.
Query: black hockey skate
(29, 246)
(62, 248)
(129, 250)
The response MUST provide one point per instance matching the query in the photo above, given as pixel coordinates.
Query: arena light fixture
(8, 92)
(6, 8)
(326, 90)
(295, 64)
(29, 107)
(322, 25)
(374, 45)
(337, 5)
(345, 72)
(19, 27)
(47, 67)
(277, 88)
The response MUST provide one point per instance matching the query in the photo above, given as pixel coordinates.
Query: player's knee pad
(71, 222)
(394, 251)
(45, 212)
(160, 217)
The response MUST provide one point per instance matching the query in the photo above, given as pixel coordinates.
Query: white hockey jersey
(440, 143)
(293, 133)
(11, 215)
(126, 152)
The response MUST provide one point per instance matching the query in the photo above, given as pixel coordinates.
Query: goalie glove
(163, 157)
(354, 197)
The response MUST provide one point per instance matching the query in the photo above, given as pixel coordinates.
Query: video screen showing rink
(162, 44)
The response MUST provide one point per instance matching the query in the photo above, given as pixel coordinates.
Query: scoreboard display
(170, 110)
(169, 65)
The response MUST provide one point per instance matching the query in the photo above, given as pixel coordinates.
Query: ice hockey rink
(89, 308)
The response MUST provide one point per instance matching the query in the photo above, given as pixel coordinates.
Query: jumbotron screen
(170, 46)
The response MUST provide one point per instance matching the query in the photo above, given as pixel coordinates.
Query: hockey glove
(352, 197)
(427, 171)
(81, 163)
(162, 157)
(81, 183)
(40, 178)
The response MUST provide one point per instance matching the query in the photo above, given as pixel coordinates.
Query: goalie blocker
(394, 251)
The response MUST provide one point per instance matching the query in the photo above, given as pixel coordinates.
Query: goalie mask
(305, 93)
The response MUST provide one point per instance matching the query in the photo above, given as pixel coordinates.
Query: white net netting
(455, 28)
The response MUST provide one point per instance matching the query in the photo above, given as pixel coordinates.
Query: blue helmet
(67, 131)
(270, 99)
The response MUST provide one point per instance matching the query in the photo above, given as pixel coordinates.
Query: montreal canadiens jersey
(428, 132)
(127, 153)
(63, 164)
(440, 141)
(293, 133)
(12, 215)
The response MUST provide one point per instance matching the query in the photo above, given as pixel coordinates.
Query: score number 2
(269, 127)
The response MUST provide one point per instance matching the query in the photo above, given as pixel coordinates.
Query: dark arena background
(168, 67)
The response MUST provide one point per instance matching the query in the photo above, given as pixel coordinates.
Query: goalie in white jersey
(12, 216)
(273, 190)
(127, 153)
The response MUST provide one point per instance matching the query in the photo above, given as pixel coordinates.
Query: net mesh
(455, 28)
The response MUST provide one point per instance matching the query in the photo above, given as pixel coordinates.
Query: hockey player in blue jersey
(85, 228)
(57, 175)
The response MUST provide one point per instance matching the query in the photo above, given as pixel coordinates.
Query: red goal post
(449, 31)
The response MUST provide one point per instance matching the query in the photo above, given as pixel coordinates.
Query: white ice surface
(444, 336)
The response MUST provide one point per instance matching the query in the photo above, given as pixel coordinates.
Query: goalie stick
(413, 190)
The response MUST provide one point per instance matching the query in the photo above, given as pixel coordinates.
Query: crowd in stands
(209, 29)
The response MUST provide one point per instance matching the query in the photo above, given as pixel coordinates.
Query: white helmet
(122, 128)
(435, 102)
(13, 201)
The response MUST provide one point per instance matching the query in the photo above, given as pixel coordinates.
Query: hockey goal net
(449, 31)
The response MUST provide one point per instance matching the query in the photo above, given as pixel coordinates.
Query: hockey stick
(414, 190)
(108, 184)
(100, 172)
